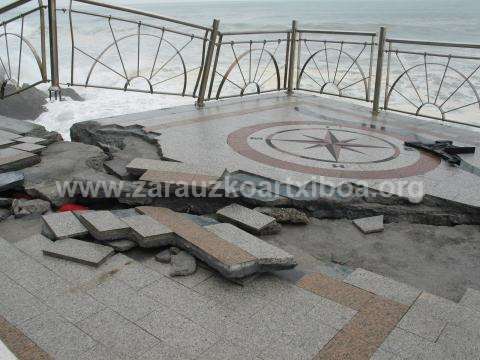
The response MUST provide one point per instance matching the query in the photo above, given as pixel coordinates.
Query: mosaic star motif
(332, 144)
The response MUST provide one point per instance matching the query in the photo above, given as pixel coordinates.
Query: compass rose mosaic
(329, 150)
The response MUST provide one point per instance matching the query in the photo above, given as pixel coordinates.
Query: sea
(436, 20)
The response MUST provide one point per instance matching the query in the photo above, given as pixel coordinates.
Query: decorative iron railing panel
(336, 63)
(435, 80)
(124, 49)
(248, 63)
(22, 47)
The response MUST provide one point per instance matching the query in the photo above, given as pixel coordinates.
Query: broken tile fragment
(122, 245)
(183, 264)
(164, 257)
(265, 253)
(63, 225)
(103, 225)
(11, 180)
(79, 251)
(139, 166)
(370, 225)
(33, 148)
(13, 159)
(149, 233)
(245, 218)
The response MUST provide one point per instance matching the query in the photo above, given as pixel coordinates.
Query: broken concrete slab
(32, 140)
(227, 258)
(11, 180)
(149, 233)
(24, 207)
(63, 225)
(370, 225)
(103, 225)
(79, 251)
(5, 143)
(139, 166)
(192, 180)
(266, 254)
(245, 218)
(164, 257)
(33, 148)
(13, 159)
(183, 264)
(122, 245)
(285, 215)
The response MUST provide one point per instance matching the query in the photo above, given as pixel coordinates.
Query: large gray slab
(79, 251)
(266, 254)
(33, 148)
(104, 226)
(149, 233)
(245, 218)
(11, 180)
(4, 143)
(63, 225)
(13, 159)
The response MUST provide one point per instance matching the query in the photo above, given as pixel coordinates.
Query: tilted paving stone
(5, 143)
(63, 225)
(31, 140)
(9, 135)
(229, 259)
(79, 251)
(265, 253)
(245, 218)
(13, 159)
(383, 286)
(149, 233)
(33, 148)
(103, 225)
(370, 225)
(11, 180)
(139, 166)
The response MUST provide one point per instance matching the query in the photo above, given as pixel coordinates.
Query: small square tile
(370, 225)
(422, 324)
(245, 218)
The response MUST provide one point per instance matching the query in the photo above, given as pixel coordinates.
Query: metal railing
(18, 52)
(148, 53)
(440, 84)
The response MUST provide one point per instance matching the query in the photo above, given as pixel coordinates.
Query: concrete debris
(370, 225)
(13, 159)
(23, 207)
(79, 251)
(222, 253)
(11, 180)
(285, 215)
(245, 218)
(122, 245)
(164, 257)
(183, 264)
(63, 225)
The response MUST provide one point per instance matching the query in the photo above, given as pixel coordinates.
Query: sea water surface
(439, 20)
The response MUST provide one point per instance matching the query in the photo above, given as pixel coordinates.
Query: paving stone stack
(18, 152)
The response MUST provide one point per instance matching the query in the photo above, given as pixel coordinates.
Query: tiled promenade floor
(297, 138)
(52, 308)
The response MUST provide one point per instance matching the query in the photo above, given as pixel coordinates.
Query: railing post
(293, 57)
(208, 64)
(379, 73)
(52, 29)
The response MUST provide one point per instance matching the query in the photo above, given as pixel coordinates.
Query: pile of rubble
(90, 237)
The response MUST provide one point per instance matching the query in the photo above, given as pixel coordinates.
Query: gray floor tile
(136, 275)
(118, 334)
(122, 299)
(332, 314)
(422, 324)
(383, 286)
(165, 352)
(225, 350)
(178, 331)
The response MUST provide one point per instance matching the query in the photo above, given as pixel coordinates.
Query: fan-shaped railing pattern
(15, 48)
(434, 85)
